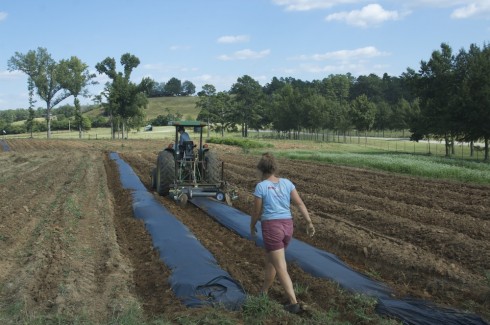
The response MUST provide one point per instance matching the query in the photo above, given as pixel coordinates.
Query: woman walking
(273, 196)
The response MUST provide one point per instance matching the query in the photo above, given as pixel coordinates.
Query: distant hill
(156, 106)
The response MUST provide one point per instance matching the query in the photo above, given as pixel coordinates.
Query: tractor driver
(184, 136)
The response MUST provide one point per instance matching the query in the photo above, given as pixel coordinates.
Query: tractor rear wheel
(213, 168)
(165, 172)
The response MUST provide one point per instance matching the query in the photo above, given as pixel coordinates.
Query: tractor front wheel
(165, 172)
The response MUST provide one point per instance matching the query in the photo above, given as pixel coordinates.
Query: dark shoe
(292, 308)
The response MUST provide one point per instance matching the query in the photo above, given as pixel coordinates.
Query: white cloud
(221, 82)
(306, 5)
(11, 75)
(165, 68)
(368, 16)
(342, 55)
(463, 8)
(102, 79)
(230, 39)
(356, 68)
(179, 47)
(245, 54)
(3, 15)
(472, 10)
(357, 62)
(438, 3)
(13, 100)
(204, 77)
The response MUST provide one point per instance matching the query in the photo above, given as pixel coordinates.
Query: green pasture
(157, 106)
(409, 164)
(159, 132)
(396, 156)
(390, 155)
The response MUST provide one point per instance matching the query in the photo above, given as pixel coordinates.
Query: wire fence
(389, 141)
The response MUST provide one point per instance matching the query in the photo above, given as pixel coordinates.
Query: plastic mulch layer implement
(196, 278)
(326, 265)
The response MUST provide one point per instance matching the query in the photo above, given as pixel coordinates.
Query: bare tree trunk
(48, 120)
(472, 148)
(112, 126)
(486, 149)
(446, 142)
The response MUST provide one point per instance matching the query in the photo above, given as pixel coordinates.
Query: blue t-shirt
(276, 198)
(184, 136)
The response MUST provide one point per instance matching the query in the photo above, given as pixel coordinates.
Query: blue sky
(217, 41)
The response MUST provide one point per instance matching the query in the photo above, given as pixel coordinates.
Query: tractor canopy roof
(186, 123)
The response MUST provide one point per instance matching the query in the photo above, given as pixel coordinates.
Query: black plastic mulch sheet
(196, 277)
(325, 265)
(5, 146)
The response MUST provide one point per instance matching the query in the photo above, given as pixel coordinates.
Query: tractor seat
(188, 150)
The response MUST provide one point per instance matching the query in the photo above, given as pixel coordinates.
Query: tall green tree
(314, 107)
(249, 103)
(205, 103)
(30, 119)
(207, 90)
(217, 109)
(383, 116)
(75, 77)
(337, 88)
(188, 88)
(371, 86)
(287, 110)
(173, 87)
(475, 94)
(125, 99)
(363, 113)
(437, 90)
(42, 69)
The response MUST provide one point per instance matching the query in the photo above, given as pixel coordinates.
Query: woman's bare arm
(310, 229)
(257, 211)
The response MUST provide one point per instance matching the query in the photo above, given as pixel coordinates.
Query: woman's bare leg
(270, 274)
(278, 260)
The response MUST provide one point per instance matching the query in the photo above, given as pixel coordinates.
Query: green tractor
(184, 171)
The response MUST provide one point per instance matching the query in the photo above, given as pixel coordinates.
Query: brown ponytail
(267, 164)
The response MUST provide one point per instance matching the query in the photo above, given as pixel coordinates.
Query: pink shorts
(277, 233)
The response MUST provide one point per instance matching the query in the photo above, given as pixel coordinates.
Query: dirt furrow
(368, 250)
(462, 199)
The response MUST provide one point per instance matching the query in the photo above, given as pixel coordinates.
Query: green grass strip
(243, 143)
(413, 165)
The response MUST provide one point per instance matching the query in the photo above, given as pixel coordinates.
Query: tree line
(288, 106)
(54, 81)
(123, 101)
(448, 99)
(454, 92)
(62, 118)
(173, 87)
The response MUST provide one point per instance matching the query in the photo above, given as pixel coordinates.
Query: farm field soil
(426, 239)
(70, 248)
(69, 242)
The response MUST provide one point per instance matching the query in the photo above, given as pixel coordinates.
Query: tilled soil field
(68, 240)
